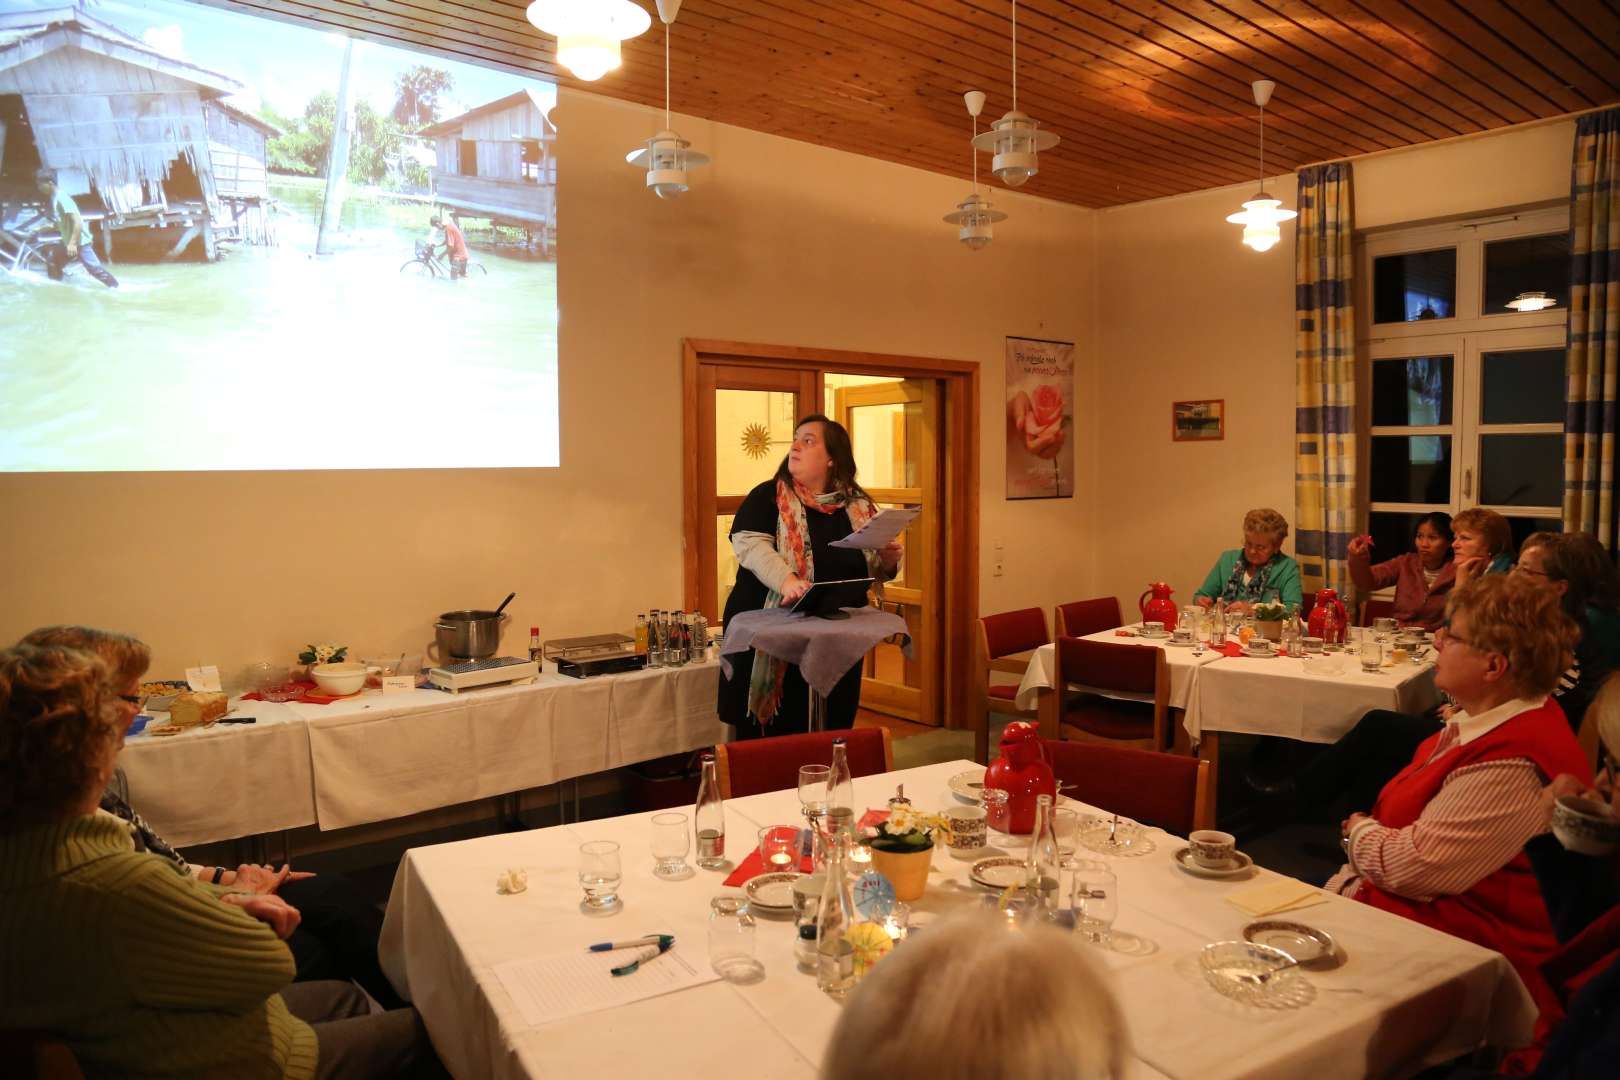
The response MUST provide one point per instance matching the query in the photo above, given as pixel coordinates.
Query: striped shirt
(1480, 819)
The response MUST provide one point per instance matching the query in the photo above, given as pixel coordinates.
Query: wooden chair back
(1120, 668)
(1082, 617)
(772, 764)
(1171, 791)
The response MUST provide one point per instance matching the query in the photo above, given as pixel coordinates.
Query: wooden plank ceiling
(1150, 98)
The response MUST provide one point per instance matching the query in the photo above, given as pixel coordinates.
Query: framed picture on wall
(1198, 421)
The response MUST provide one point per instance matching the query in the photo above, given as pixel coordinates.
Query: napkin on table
(1276, 897)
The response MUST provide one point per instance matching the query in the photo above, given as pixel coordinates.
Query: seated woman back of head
(974, 999)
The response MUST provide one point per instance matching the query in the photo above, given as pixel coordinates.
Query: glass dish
(1240, 970)
(285, 692)
(1105, 837)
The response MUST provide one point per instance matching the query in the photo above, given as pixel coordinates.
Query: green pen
(652, 952)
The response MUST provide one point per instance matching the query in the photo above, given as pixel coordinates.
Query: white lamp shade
(975, 221)
(1016, 142)
(588, 32)
(666, 157)
(1261, 217)
(1532, 301)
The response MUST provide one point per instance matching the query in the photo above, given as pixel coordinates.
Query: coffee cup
(1155, 627)
(1585, 826)
(1181, 633)
(967, 831)
(1259, 645)
(1212, 849)
(1313, 644)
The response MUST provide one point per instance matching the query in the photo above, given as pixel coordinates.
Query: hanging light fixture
(1262, 214)
(973, 214)
(1532, 301)
(666, 157)
(588, 32)
(1015, 139)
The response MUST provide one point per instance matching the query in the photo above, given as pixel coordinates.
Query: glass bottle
(641, 635)
(1217, 624)
(1044, 859)
(840, 783)
(655, 644)
(534, 644)
(835, 917)
(709, 818)
(677, 637)
(1291, 632)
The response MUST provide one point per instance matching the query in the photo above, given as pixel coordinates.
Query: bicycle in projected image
(430, 262)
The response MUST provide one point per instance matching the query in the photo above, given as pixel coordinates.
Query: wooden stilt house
(499, 162)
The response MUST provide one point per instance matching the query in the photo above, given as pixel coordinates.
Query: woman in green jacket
(1250, 574)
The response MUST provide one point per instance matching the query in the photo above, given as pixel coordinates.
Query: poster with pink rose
(1040, 419)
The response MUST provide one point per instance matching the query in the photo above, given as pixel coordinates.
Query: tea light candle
(896, 922)
(860, 855)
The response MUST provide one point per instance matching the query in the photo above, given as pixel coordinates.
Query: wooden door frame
(959, 602)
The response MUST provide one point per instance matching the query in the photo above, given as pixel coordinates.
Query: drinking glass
(1095, 901)
(778, 847)
(671, 840)
(731, 940)
(1383, 628)
(1066, 824)
(1246, 632)
(599, 874)
(996, 810)
(1372, 655)
(813, 780)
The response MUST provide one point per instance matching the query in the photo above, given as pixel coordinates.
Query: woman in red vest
(1444, 843)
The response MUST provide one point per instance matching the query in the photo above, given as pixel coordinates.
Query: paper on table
(1275, 897)
(885, 526)
(555, 987)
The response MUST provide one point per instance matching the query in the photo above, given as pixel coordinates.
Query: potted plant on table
(903, 849)
(1268, 620)
(324, 653)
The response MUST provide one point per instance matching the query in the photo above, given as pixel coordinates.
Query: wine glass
(813, 781)
(671, 840)
(1096, 902)
(600, 875)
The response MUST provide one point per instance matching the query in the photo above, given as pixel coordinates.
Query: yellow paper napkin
(1276, 897)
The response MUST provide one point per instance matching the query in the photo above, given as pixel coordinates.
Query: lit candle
(861, 855)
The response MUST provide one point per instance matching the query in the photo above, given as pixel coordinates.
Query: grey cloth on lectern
(823, 649)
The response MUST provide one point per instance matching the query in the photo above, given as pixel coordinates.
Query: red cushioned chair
(36, 1055)
(1088, 616)
(1005, 642)
(1088, 715)
(1168, 790)
(772, 764)
(1376, 609)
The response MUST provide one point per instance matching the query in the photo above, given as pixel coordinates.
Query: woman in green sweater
(1249, 575)
(140, 971)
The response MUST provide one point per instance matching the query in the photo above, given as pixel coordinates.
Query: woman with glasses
(1422, 577)
(1443, 844)
(1250, 574)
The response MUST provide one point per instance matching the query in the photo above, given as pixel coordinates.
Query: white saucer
(1181, 644)
(967, 785)
(1262, 655)
(1152, 634)
(1238, 866)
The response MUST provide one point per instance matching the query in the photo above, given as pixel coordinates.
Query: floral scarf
(793, 544)
(1252, 591)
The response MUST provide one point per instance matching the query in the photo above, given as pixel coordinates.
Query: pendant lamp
(666, 156)
(1016, 140)
(1262, 214)
(973, 214)
(588, 32)
(1532, 301)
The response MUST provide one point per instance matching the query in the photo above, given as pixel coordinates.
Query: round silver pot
(468, 635)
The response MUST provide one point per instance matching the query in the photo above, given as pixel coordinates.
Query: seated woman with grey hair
(975, 999)
(1251, 574)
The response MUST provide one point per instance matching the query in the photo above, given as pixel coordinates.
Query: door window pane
(1411, 390)
(1417, 286)
(725, 561)
(1391, 533)
(1523, 265)
(1411, 468)
(1523, 387)
(753, 430)
(1521, 470)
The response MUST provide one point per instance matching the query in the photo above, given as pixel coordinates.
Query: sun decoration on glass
(756, 440)
(1262, 214)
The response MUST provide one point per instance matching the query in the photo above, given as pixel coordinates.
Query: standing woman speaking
(782, 535)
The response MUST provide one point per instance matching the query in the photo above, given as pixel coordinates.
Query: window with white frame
(1462, 332)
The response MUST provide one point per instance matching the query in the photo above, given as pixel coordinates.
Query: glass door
(894, 428)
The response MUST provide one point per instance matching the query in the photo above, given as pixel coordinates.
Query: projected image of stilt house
(123, 125)
(236, 150)
(499, 162)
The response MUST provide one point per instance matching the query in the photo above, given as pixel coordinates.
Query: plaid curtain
(1324, 378)
(1594, 328)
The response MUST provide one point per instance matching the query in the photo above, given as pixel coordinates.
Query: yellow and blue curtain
(1324, 378)
(1594, 328)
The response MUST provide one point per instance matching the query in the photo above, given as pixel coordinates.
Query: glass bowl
(284, 692)
(1238, 970)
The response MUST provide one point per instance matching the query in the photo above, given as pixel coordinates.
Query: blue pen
(633, 943)
(652, 952)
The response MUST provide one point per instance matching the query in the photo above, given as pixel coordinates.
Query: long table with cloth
(1404, 996)
(381, 756)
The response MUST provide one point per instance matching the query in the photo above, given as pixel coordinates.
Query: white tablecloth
(1406, 994)
(1275, 697)
(225, 781)
(380, 756)
(1184, 665)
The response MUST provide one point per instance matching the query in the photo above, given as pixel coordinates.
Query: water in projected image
(275, 358)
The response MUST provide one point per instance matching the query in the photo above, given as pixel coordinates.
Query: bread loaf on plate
(194, 708)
